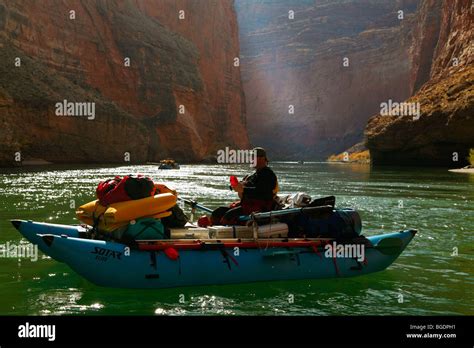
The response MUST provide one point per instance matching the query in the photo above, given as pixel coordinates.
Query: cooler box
(278, 230)
(189, 233)
(230, 232)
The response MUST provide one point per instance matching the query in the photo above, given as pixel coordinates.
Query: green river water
(427, 279)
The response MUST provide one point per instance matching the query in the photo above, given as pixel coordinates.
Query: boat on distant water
(168, 164)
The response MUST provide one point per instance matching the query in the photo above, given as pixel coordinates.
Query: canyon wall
(180, 96)
(292, 60)
(444, 130)
(298, 63)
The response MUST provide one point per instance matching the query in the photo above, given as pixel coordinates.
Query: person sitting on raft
(256, 192)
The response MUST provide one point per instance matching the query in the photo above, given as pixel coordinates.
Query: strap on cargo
(95, 227)
(233, 259)
(153, 259)
(314, 247)
(297, 257)
(234, 232)
(227, 256)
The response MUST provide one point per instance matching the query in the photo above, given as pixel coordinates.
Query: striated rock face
(444, 132)
(181, 96)
(299, 62)
(455, 39)
(212, 27)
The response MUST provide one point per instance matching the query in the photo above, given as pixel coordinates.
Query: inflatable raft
(168, 164)
(176, 263)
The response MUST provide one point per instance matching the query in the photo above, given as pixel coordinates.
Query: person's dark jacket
(260, 185)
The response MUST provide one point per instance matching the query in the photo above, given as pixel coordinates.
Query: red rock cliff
(444, 132)
(173, 62)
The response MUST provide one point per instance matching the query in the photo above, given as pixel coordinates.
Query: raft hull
(32, 230)
(113, 264)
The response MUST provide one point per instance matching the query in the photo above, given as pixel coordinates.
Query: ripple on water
(63, 301)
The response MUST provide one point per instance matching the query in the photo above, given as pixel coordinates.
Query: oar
(305, 210)
(194, 204)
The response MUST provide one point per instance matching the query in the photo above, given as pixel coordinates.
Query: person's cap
(261, 152)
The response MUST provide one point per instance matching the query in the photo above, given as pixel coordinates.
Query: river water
(434, 275)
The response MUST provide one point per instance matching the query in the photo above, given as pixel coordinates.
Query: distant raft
(168, 164)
